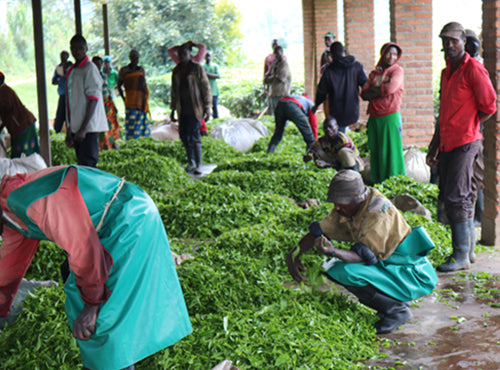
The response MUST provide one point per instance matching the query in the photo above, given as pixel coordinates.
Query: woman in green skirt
(384, 91)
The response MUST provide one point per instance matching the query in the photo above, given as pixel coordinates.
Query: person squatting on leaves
(334, 149)
(118, 254)
(386, 266)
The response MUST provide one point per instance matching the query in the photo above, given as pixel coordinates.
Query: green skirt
(386, 147)
(406, 275)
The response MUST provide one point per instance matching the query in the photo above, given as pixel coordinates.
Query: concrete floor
(452, 328)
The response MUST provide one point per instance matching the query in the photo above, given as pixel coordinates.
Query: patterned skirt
(107, 139)
(136, 123)
(26, 142)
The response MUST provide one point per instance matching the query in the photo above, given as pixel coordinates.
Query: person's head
(134, 56)
(278, 53)
(389, 55)
(337, 50)
(330, 127)
(472, 44)
(97, 60)
(106, 63)
(274, 44)
(184, 53)
(329, 39)
(348, 192)
(2, 78)
(64, 56)
(78, 47)
(454, 39)
(208, 57)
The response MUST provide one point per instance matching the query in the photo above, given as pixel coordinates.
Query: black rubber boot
(271, 148)
(197, 159)
(461, 239)
(472, 254)
(392, 313)
(191, 160)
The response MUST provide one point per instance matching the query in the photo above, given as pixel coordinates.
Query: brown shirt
(378, 225)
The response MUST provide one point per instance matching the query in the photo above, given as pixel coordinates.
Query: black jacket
(341, 82)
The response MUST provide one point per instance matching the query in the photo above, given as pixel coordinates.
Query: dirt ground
(452, 328)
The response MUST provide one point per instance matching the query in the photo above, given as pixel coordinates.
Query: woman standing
(133, 78)
(384, 90)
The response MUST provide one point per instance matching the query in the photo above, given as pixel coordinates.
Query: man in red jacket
(468, 99)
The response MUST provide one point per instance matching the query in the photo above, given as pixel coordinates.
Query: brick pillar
(491, 42)
(319, 17)
(411, 28)
(359, 21)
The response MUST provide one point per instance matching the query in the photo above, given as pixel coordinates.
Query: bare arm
(433, 151)
(84, 324)
(324, 246)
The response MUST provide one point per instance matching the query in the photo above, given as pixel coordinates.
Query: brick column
(319, 17)
(359, 21)
(411, 28)
(491, 43)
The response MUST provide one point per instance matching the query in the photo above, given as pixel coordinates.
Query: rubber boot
(197, 159)
(191, 161)
(472, 254)
(271, 148)
(393, 313)
(459, 259)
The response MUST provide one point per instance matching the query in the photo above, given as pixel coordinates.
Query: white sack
(240, 134)
(416, 168)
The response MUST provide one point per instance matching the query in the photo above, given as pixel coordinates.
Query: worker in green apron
(386, 266)
(123, 297)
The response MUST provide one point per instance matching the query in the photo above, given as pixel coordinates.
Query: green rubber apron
(146, 311)
(406, 275)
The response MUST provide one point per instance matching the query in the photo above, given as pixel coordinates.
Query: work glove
(293, 258)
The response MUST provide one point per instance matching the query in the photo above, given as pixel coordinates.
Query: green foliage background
(239, 223)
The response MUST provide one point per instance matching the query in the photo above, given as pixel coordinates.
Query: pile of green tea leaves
(239, 223)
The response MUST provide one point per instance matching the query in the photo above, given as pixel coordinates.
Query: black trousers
(87, 151)
(60, 114)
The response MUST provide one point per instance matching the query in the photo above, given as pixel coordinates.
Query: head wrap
(106, 58)
(330, 34)
(347, 187)
(453, 30)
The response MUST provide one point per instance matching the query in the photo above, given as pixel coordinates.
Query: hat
(106, 58)
(330, 34)
(470, 33)
(347, 187)
(453, 30)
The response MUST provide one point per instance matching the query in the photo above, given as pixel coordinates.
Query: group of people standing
(343, 81)
(94, 126)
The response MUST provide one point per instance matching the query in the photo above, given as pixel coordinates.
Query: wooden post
(43, 117)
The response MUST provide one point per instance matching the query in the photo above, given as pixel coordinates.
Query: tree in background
(16, 40)
(153, 26)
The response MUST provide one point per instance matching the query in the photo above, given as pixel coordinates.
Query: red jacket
(466, 92)
(391, 82)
